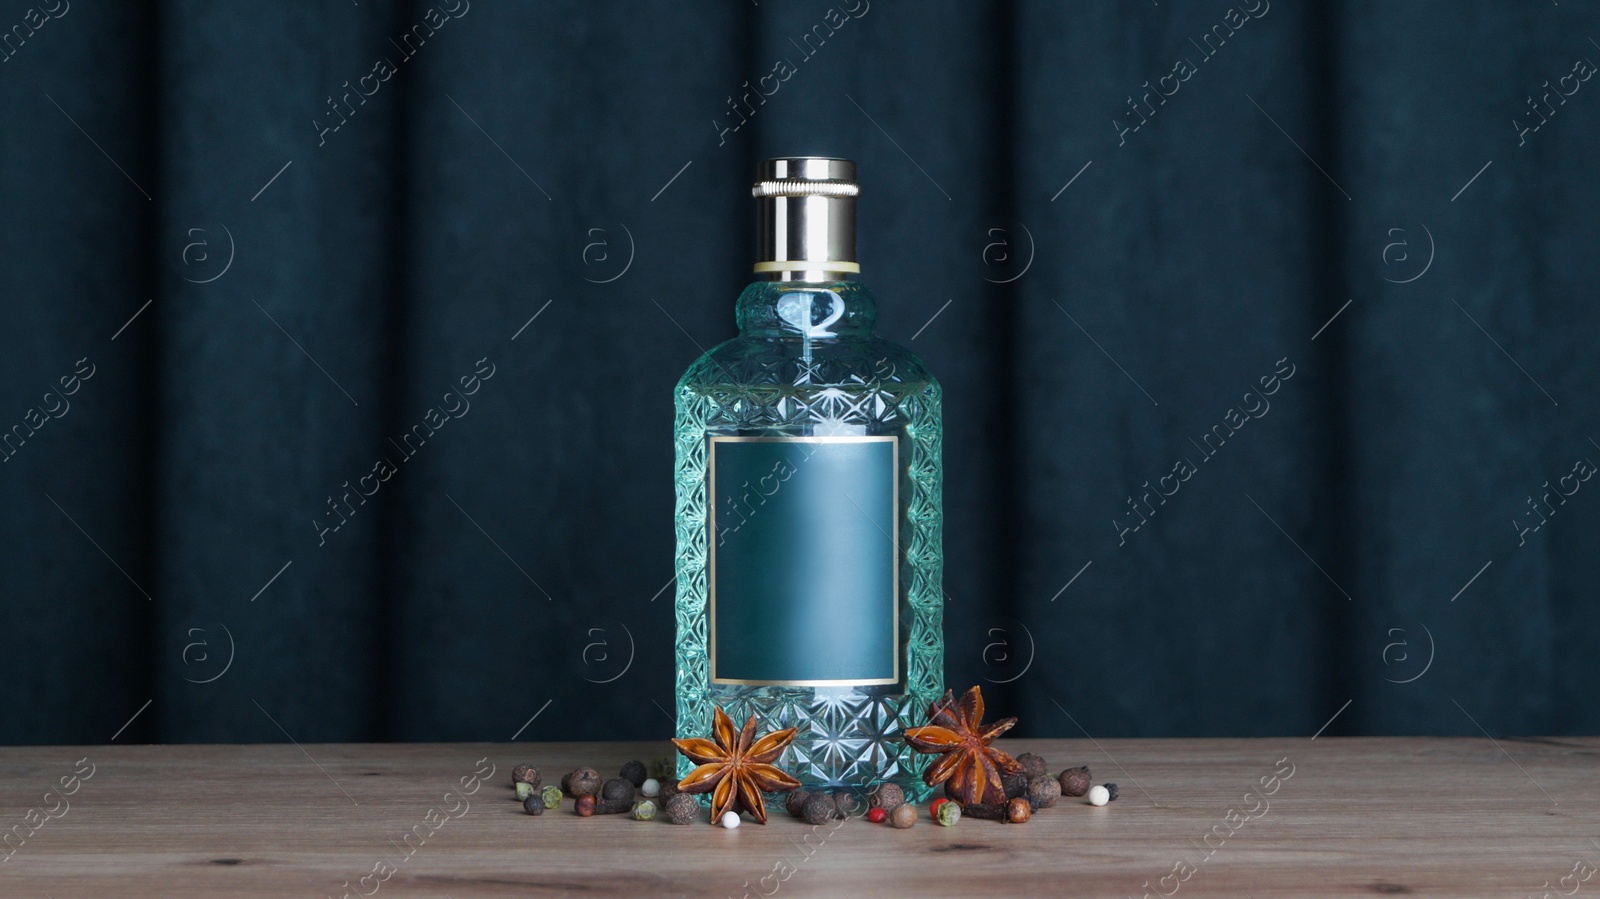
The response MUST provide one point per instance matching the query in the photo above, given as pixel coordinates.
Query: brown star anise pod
(737, 768)
(970, 764)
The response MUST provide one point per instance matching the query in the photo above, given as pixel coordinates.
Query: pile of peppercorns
(1025, 792)
(644, 791)
(637, 790)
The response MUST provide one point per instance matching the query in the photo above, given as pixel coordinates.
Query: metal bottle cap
(806, 228)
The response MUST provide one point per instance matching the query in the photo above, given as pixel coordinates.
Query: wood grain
(1357, 817)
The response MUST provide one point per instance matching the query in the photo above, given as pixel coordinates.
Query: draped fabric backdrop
(1320, 275)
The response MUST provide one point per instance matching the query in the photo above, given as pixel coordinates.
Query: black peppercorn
(795, 803)
(1014, 784)
(820, 808)
(605, 806)
(1043, 791)
(617, 788)
(887, 797)
(992, 812)
(667, 790)
(634, 772)
(1112, 789)
(583, 782)
(845, 803)
(1074, 781)
(533, 805)
(1032, 764)
(681, 808)
(525, 774)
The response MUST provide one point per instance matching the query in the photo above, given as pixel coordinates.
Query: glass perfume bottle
(808, 505)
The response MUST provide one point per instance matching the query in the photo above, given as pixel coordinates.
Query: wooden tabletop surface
(1344, 817)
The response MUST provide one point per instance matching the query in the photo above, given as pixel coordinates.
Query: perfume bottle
(808, 505)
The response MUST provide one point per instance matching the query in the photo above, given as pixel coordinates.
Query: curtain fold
(1263, 332)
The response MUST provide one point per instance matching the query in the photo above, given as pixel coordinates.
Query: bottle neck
(807, 310)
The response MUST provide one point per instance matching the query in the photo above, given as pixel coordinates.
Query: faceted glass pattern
(807, 364)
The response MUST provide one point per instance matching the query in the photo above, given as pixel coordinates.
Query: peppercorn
(669, 789)
(887, 797)
(933, 807)
(533, 805)
(682, 808)
(904, 816)
(1099, 795)
(1111, 792)
(877, 815)
(948, 815)
(1018, 811)
(1043, 791)
(1033, 764)
(584, 806)
(845, 803)
(566, 782)
(584, 782)
(1014, 785)
(651, 788)
(525, 774)
(617, 788)
(730, 819)
(644, 810)
(662, 767)
(634, 771)
(524, 791)
(1074, 781)
(991, 812)
(605, 806)
(795, 803)
(819, 808)
(551, 796)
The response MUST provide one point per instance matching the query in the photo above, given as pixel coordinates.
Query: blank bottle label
(804, 561)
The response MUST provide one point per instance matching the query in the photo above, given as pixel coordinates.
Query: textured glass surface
(806, 363)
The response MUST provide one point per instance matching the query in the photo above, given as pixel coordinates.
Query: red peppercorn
(584, 806)
(877, 815)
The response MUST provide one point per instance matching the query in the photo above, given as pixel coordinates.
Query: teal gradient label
(804, 560)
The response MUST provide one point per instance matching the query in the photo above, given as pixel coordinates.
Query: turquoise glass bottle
(808, 505)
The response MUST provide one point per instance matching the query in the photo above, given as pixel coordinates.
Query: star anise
(970, 764)
(737, 768)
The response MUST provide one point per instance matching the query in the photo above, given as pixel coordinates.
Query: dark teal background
(521, 561)
(804, 561)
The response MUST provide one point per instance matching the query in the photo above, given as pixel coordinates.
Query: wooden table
(1346, 817)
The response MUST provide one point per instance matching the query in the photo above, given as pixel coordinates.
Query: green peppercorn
(644, 810)
(634, 772)
(1074, 781)
(682, 808)
(533, 805)
(524, 791)
(617, 788)
(949, 813)
(662, 768)
(551, 796)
